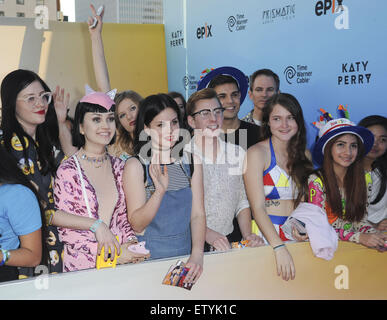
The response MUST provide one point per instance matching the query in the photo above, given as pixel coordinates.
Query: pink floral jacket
(80, 246)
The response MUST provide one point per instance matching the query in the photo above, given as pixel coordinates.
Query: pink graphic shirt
(80, 246)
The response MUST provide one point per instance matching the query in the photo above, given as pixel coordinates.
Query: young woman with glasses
(34, 132)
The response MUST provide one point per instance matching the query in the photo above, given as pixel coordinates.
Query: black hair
(80, 111)
(174, 94)
(150, 107)
(222, 79)
(381, 163)
(47, 133)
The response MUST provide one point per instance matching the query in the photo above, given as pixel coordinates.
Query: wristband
(6, 256)
(279, 246)
(95, 225)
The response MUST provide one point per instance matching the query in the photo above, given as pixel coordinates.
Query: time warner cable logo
(237, 23)
(302, 74)
(231, 22)
(289, 73)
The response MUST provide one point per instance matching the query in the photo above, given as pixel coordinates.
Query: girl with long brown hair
(339, 186)
(275, 168)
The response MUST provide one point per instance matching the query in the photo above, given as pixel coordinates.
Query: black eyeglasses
(206, 113)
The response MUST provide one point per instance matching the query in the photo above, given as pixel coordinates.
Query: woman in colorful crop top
(275, 168)
(339, 186)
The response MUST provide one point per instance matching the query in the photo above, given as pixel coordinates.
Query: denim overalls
(169, 233)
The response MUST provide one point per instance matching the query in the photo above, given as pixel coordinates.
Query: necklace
(96, 161)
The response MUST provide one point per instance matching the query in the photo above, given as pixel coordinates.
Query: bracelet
(6, 255)
(95, 225)
(279, 246)
(49, 215)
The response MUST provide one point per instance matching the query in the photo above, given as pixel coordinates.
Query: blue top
(19, 214)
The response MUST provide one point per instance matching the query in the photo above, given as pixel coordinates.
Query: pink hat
(103, 99)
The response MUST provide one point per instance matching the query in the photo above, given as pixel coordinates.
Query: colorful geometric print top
(277, 183)
(346, 230)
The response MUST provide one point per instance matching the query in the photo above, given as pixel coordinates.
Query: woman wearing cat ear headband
(89, 188)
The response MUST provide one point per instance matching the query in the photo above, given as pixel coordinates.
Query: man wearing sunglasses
(222, 167)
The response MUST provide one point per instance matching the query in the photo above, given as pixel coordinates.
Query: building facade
(27, 8)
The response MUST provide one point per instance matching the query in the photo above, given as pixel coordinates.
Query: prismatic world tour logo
(287, 12)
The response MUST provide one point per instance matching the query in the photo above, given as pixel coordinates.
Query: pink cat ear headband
(105, 100)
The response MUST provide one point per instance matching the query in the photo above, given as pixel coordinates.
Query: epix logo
(335, 7)
(322, 7)
(204, 32)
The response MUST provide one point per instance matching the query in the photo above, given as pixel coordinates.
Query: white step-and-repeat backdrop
(323, 55)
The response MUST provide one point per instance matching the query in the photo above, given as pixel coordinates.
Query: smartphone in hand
(95, 21)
